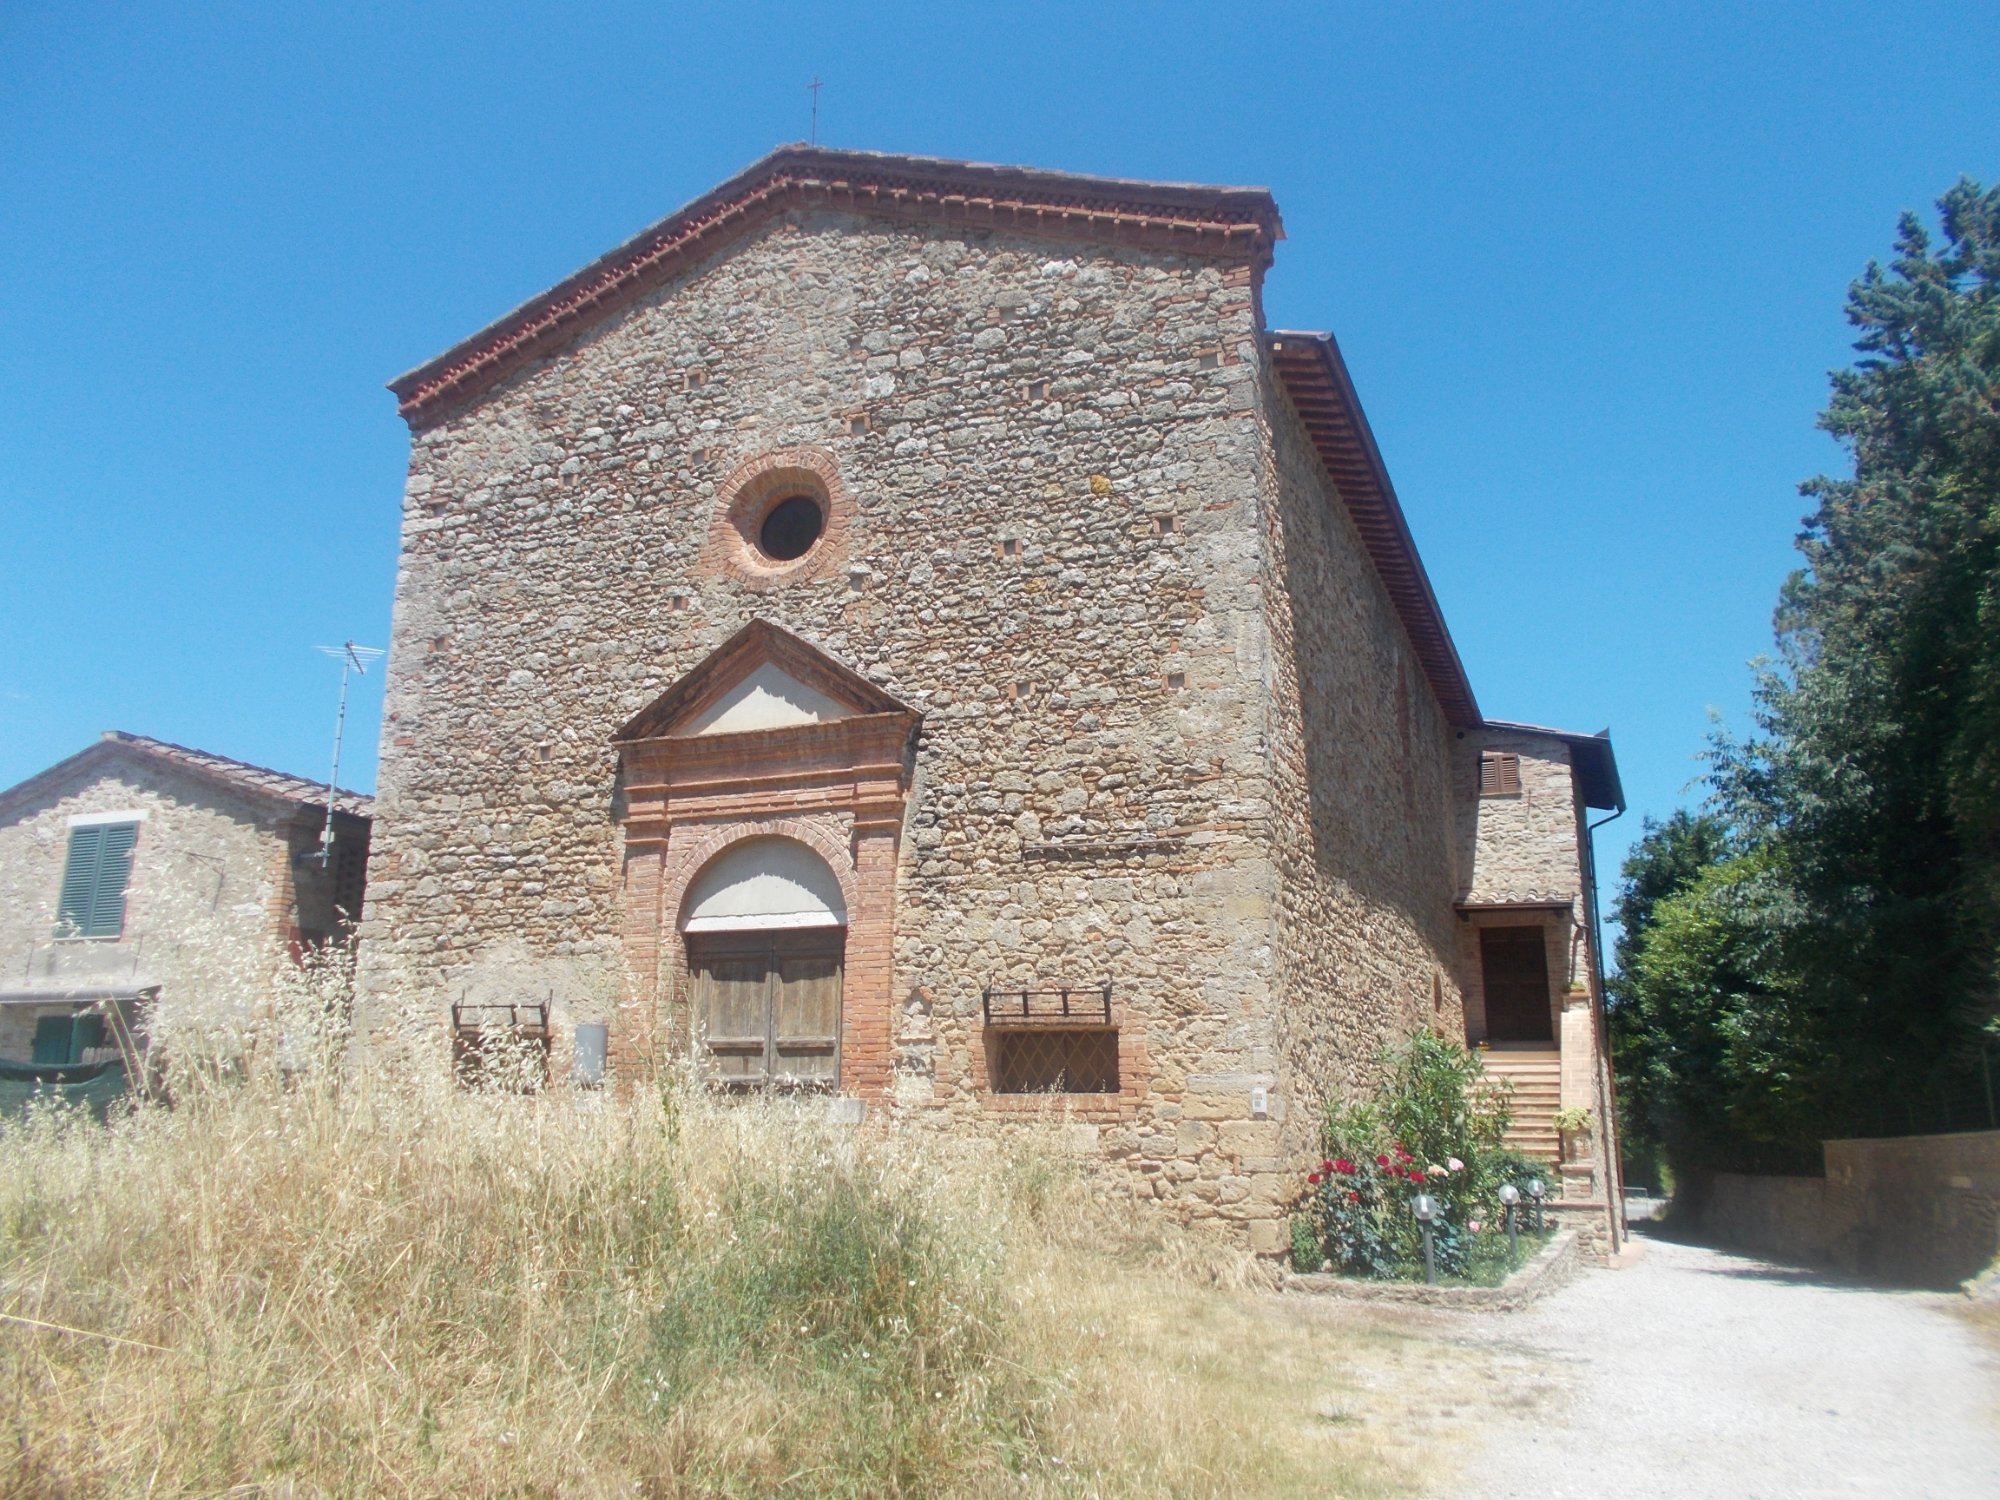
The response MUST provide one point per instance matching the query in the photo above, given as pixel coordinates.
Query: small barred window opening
(1058, 1062)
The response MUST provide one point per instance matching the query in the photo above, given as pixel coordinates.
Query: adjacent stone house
(146, 888)
(909, 629)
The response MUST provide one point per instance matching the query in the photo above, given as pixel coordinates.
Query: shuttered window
(768, 1008)
(1499, 774)
(94, 879)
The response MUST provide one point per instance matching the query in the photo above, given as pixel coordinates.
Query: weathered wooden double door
(766, 1006)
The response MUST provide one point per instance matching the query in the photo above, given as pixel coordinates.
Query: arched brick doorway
(768, 745)
(764, 931)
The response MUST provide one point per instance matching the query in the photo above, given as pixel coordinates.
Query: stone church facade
(908, 629)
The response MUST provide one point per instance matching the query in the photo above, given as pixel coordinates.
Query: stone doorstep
(1558, 1262)
(1631, 1255)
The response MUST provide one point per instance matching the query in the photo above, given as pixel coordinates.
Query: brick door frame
(840, 787)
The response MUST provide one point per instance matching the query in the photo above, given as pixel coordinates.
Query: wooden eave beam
(1316, 382)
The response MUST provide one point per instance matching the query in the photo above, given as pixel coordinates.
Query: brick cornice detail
(821, 835)
(1229, 224)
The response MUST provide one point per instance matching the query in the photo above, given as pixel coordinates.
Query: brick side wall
(1361, 800)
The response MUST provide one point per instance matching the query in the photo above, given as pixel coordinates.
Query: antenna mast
(813, 89)
(354, 661)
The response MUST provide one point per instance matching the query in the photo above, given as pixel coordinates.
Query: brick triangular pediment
(762, 677)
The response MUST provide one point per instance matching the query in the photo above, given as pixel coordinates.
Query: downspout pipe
(1614, 1170)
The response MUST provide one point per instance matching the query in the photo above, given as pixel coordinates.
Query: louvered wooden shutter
(1499, 774)
(93, 889)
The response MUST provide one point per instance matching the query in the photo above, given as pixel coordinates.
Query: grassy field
(406, 1289)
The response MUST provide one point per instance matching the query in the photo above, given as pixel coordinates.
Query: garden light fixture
(1535, 1191)
(1425, 1207)
(1510, 1198)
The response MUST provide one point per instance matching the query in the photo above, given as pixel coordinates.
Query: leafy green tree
(1714, 1046)
(1668, 859)
(1840, 953)
(1876, 759)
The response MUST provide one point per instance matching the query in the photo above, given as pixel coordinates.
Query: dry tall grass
(403, 1288)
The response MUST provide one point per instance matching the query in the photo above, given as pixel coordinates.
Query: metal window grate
(483, 1035)
(1057, 1062)
(1059, 1005)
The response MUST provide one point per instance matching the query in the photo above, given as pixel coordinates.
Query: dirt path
(1699, 1374)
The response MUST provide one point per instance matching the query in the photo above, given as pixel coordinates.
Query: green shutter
(114, 869)
(86, 846)
(53, 1035)
(93, 888)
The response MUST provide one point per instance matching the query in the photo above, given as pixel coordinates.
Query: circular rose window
(790, 528)
(782, 518)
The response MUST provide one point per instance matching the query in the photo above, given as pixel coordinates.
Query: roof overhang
(1321, 391)
(1225, 223)
(79, 994)
(276, 789)
(1590, 756)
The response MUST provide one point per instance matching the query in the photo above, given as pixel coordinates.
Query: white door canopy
(763, 883)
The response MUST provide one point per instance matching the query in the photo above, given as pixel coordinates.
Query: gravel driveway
(1697, 1373)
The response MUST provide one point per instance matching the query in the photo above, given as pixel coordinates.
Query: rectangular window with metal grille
(92, 904)
(1055, 1062)
(1499, 774)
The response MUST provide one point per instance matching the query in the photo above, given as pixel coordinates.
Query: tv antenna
(354, 662)
(813, 89)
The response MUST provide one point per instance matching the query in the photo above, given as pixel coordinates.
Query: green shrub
(1434, 1128)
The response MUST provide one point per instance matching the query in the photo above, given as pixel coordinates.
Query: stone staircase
(1536, 1077)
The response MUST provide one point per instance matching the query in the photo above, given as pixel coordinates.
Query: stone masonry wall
(1055, 467)
(1362, 805)
(1522, 847)
(1528, 847)
(202, 909)
(1922, 1210)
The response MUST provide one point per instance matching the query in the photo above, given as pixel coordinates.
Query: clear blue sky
(1588, 272)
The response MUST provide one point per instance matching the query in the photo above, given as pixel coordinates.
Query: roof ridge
(1231, 223)
(227, 764)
